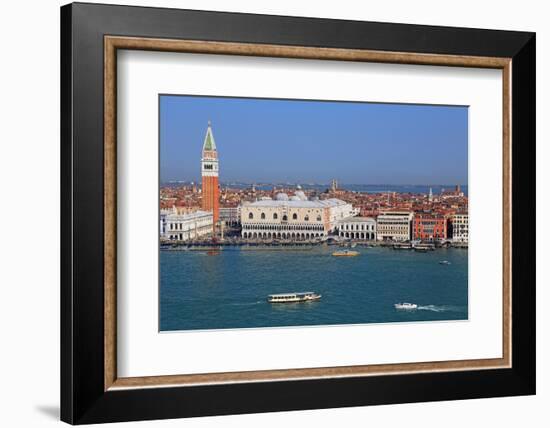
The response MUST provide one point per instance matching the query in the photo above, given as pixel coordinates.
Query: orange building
(209, 173)
(430, 226)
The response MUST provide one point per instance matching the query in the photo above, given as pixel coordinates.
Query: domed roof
(301, 195)
(295, 198)
(281, 197)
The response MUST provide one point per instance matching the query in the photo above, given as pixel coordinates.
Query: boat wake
(247, 303)
(441, 308)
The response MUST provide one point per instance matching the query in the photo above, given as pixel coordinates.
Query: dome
(281, 197)
(301, 195)
(295, 198)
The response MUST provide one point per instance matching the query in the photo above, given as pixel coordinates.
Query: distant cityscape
(207, 212)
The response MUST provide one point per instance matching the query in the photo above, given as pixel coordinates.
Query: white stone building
(363, 228)
(459, 224)
(185, 227)
(294, 218)
(394, 226)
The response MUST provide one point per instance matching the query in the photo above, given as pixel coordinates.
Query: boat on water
(424, 247)
(444, 262)
(305, 296)
(402, 246)
(345, 253)
(405, 305)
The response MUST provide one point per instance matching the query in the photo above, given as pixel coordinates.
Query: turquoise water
(228, 289)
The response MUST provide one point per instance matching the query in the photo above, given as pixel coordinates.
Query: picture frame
(91, 391)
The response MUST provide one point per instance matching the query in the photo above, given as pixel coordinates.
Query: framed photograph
(266, 213)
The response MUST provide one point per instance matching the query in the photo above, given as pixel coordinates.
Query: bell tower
(209, 173)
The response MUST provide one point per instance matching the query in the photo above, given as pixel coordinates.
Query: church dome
(295, 198)
(301, 195)
(281, 197)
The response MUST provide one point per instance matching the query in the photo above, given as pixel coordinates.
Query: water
(363, 188)
(228, 289)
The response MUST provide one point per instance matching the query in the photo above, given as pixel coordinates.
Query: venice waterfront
(228, 288)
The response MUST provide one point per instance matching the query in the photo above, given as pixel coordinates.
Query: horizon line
(259, 183)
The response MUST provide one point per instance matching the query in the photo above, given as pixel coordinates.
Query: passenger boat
(402, 246)
(345, 253)
(405, 305)
(424, 247)
(444, 262)
(306, 296)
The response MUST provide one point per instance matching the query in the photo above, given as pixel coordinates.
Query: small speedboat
(444, 262)
(406, 306)
(345, 253)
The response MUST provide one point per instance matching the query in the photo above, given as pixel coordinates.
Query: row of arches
(282, 235)
(357, 235)
(285, 217)
(361, 226)
(279, 228)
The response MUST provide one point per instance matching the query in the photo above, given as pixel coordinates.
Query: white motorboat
(406, 305)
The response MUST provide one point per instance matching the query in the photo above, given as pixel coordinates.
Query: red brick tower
(209, 170)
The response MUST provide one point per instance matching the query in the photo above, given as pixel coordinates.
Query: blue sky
(269, 140)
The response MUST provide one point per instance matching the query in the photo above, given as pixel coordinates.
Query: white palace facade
(362, 228)
(185, 227)
(295, 217)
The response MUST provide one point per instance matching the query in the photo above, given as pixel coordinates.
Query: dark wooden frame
(89, 32)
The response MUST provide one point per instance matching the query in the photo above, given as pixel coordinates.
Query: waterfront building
(184, 227)
(394, 226)
(363, 228)
(460, 227)
(209, 173)
(293, 217)
(430, 226)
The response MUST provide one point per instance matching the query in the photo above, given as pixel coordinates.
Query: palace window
(263, 216)
(294, 216)
(285, 218)
(306, 218)
(318, 218)
(274, 216)
(250, 216)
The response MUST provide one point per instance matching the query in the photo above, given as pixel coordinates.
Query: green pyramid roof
(209, 143)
